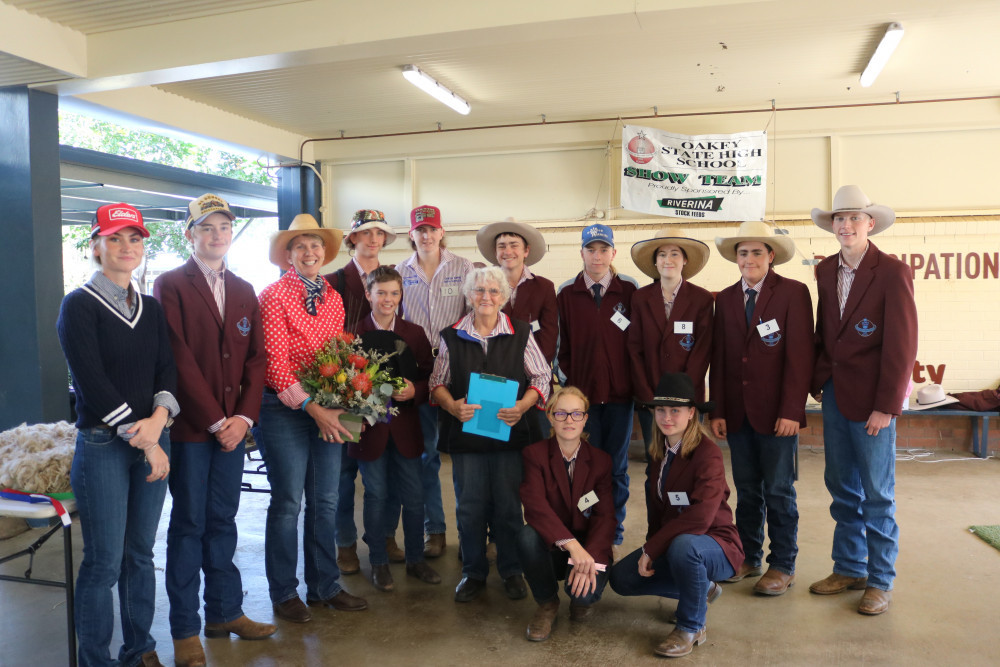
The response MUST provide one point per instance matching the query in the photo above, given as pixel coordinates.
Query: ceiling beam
(158, 110)
(41, 41)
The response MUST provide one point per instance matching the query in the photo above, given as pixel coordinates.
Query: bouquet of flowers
(343, 374)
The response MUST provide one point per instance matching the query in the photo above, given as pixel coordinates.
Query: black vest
(504, 357)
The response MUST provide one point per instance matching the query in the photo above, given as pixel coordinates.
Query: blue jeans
(347, 532)
(684, 573)
(610, 429)
(393, 476)
(298, 462)
(205, 487)
(764, 476)
(119, 511)
(545, 565)
(488, 492)
(861, 478)
(431, 475)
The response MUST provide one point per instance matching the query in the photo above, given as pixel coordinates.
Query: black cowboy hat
(676, 389)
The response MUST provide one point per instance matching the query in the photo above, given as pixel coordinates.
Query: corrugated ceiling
(93, 17)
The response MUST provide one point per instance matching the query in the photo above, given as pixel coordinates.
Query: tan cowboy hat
(851, 198)
(756, 230)
(303, 223)
(644, 252)
(486, 239)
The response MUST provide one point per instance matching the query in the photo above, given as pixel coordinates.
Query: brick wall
(917, 432)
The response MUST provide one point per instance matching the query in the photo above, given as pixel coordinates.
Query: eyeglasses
(480, 291)
(560, 416)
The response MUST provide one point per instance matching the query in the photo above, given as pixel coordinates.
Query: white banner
(701, 177)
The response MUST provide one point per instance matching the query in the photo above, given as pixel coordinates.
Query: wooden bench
(980, 423)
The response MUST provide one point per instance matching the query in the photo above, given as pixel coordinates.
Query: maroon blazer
(550, 506)
(762, 379)
(703, 478)
(593, 351)
(536, 302)
(220, 362)
(867, 375)
(654, 347)
(347, 281)
(404, 427)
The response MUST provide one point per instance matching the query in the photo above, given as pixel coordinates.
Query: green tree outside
(100, 135)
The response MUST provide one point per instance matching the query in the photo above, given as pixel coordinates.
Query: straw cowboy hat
(486, 239)
(303, 223)
(755, 230)
(851, 198)
(644, 252)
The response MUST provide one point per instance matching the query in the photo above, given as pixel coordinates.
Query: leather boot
(396, 555)
(434, 545)
(541, 625)
(680, 643)
(242, 627)
(188, 652)
(347, 559)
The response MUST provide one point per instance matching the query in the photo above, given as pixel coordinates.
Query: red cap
(111, 218)
(425, 215)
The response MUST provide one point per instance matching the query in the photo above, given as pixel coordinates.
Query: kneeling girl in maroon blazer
(570, 511)
(691, 541)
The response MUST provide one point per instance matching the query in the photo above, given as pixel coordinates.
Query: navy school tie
(751, 300)
(596, 289)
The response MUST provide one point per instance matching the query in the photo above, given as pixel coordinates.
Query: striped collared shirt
(216, 282)
(537, 369)
(437, 302)
(525, 275)
(845, 278)
(756, 288)
(570, 462)
(124, 299)
(391, 327)
(669, 305)
(361, 272)
(604, 282)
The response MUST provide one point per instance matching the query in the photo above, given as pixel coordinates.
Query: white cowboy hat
(644, 252)
(756, 230)
(303, 223)
(931, 396)
(852, 198)
(486, 239)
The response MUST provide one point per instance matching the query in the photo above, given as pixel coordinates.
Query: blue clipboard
(493, 393)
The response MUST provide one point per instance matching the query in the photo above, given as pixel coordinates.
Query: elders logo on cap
(117, 214)
(112, 218)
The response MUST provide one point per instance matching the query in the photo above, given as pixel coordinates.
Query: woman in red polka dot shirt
(300, 313)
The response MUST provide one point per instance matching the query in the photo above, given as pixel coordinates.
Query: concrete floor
(945, 609)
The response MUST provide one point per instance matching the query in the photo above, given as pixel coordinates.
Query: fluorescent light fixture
(424, 82)
(889, 42)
